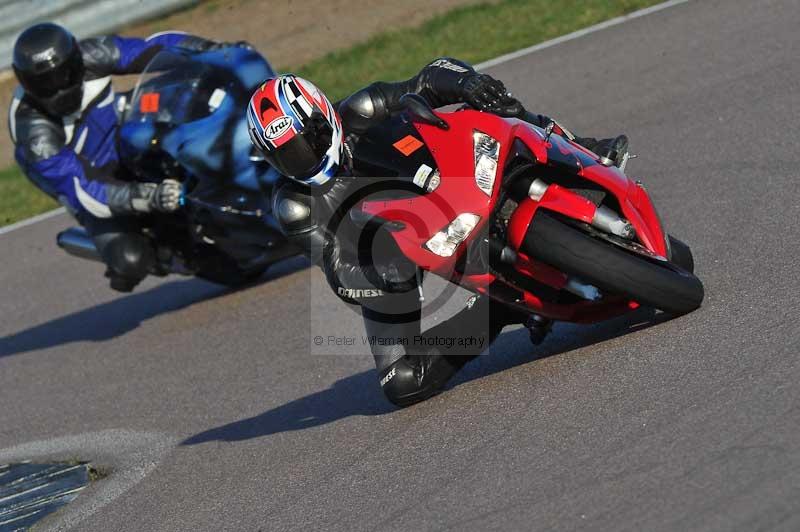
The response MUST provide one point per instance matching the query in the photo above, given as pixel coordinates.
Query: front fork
(568, 203)
(558, 199)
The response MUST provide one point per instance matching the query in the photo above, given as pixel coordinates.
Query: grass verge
(19, 199)
(473, 34)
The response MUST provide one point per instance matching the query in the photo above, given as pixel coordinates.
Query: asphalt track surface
(212, 414)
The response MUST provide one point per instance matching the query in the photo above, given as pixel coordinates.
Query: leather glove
(168, 196)
(162, 197)
(510, 107)
(482, 92)
(485, 93)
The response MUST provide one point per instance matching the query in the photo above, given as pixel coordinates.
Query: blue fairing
(188, 115)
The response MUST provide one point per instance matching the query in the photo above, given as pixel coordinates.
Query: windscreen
(175, 90)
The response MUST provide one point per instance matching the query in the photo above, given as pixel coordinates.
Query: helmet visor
(64, 76)
(304, 155)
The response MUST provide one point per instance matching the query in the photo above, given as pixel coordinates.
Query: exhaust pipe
(76, 242)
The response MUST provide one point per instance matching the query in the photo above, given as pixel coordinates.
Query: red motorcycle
(526, 216)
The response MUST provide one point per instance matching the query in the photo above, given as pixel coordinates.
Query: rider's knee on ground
(409, 380)
(401, 386)
(390, 340)
(388, 336)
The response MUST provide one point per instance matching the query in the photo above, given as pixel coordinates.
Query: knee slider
(410, 381)
(130, 255)
(401, 386)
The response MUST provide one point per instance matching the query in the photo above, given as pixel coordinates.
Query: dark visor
(302, 156)
(64, 76)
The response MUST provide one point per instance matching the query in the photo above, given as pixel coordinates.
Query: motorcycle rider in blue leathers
(63, 121)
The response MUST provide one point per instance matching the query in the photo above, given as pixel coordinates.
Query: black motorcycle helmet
(49, 66)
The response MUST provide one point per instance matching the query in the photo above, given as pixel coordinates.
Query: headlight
(445, 242)
(487, 151)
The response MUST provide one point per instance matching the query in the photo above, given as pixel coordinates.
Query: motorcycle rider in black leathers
(317, 154)
(63, 121)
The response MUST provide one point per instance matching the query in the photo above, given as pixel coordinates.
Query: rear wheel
(667, 286)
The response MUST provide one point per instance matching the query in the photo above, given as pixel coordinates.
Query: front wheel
(663, 285)
(680, 254)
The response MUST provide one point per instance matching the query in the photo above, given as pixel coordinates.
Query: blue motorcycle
(186, 120)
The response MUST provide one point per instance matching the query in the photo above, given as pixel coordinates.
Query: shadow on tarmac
(124, 314)
(356, 395)
(359, 394)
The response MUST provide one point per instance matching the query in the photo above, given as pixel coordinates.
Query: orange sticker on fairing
(408, 145)
(148, 103)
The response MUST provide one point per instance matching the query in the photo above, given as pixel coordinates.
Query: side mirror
(419, 108)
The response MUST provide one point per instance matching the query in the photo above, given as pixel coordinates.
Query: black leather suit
(385, 285)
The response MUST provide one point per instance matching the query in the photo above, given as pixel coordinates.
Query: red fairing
(556, 199)
(428, 214)
(633, 199)
(425, 215)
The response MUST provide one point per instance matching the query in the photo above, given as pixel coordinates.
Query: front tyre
(666, 286)
(680, 254)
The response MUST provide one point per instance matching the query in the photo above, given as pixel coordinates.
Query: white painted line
(481, 66)
(577, 34)
(30, 221)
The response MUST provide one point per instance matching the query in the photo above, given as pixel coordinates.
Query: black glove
(484, 93)
(149, 197)
(510, 107)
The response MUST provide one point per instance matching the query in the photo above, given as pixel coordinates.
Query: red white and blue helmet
(297, 129)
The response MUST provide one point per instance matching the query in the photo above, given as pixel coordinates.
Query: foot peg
(538, 328)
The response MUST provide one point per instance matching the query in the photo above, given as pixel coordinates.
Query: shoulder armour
(362, 108)
(37, 134)
(100, 55)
